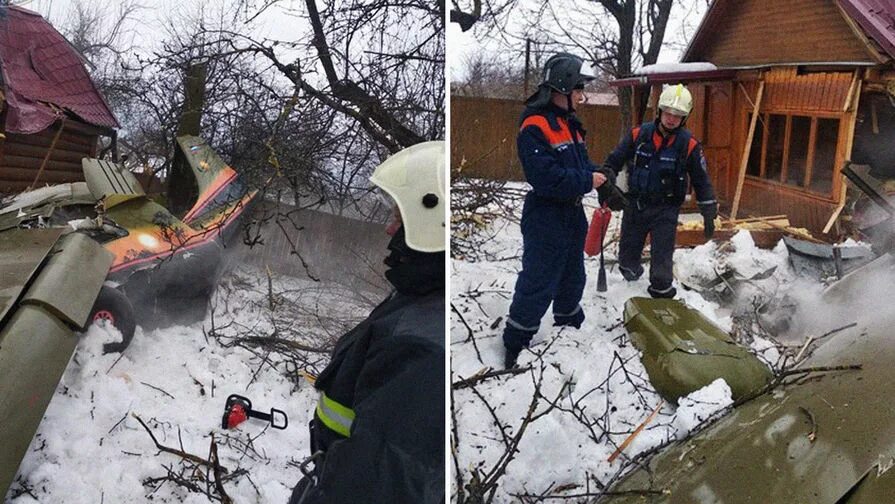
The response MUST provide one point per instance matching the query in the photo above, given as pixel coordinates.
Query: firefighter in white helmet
(664, 161)
(378, 429)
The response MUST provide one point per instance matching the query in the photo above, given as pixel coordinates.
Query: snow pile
(91, 448)
(700, 405)
(587, 386)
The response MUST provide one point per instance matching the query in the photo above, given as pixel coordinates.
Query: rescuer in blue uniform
(664, 161)
(552, 152)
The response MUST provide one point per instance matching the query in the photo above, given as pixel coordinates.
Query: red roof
(39, 67)
(876, 18)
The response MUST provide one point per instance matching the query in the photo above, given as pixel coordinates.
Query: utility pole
(527, 63)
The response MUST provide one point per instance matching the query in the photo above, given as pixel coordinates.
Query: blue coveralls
(660, 173)
(554, 158)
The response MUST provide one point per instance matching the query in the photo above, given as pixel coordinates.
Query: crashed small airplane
(131, 255)
(164, 267)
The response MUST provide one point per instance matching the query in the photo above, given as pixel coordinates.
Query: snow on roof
(661, 68)
(40, 67)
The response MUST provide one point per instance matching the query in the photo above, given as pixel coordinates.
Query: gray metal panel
(761, 452)
(43, 202)
(22, 251)
(71, 280)
(36, 348)
(105, 178)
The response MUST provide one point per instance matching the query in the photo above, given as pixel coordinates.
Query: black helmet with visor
(563, 72)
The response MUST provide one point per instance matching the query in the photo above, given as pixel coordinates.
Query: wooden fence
(483, 135)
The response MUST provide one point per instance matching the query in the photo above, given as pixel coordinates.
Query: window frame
(815, 116)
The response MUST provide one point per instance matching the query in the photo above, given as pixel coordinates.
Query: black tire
(113, 307)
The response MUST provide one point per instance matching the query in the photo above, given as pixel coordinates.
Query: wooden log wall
(22, 155)
(761, 32)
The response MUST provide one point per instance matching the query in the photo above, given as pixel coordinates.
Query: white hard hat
(676, 100)
(415, 179)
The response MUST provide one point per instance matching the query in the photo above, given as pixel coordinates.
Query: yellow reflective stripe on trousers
(334, 415)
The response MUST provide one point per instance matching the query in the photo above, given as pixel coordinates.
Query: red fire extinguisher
(596, 234)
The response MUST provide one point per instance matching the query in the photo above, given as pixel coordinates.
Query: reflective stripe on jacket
(553, 154)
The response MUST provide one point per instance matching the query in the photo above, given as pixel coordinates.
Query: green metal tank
(683, 351)
(827, 438)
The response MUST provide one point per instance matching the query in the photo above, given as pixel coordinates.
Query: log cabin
(52, 112)
(820, 75)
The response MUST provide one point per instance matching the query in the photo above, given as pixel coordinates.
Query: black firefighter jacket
(380, 418)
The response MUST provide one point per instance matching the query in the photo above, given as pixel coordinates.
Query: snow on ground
(602, 389)
(90, 448)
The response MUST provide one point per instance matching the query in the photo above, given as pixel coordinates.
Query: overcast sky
(681, 26)
(278, 22)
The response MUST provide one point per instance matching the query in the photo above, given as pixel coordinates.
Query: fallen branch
(834, 331)
(819, 369)
(470, 332)
(156, 388)
(263, 341)
(463, 383)
(182, 454)
(778, 379)
(216, 468)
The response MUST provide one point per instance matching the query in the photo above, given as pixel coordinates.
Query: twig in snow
(471, 336)
(187, 456)
(216, 468)
(116, 362)
(118, 422)
(156, 388)
(483, 375)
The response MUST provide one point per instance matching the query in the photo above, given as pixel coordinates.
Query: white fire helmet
(676, 100)
(415, 180)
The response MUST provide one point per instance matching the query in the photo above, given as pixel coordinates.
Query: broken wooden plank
(636, 432)
(754, 219)
(741, 176)
(795, 233)
(850, 138)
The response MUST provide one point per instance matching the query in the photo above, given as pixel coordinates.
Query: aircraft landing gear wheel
(112, 307)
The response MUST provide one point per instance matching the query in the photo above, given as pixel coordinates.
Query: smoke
(862, 296)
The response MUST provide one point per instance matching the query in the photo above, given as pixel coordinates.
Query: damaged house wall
(812, 116)
(874, 143)
(52, 113)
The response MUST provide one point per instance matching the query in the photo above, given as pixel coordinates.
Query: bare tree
(618, 36)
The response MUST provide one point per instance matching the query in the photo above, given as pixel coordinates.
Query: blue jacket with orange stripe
(651, 156)
(553, 155)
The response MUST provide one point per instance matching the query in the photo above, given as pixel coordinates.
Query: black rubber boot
(509, 361)
(668, 293)
(574, 320)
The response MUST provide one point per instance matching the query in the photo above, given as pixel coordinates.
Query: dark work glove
(608, 172)
(614, 198)
(709, 211)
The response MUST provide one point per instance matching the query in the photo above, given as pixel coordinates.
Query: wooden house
(52, 113)
(820, 74)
